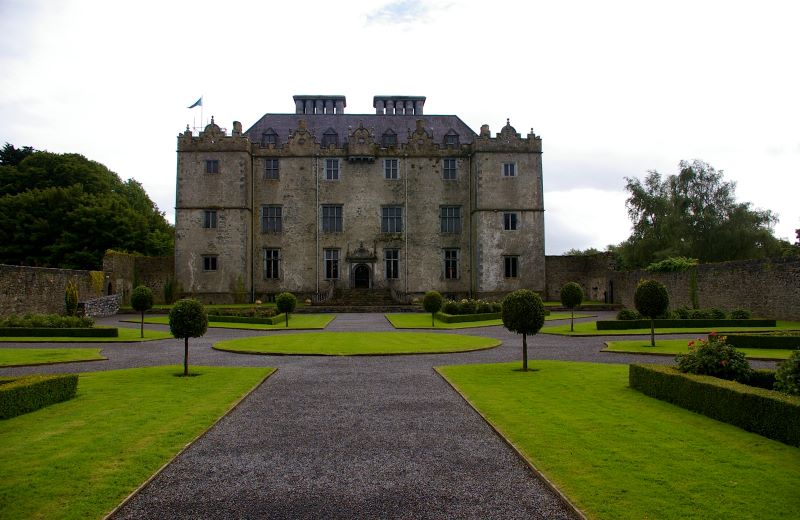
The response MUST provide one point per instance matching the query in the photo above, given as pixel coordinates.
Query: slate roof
(345, 124)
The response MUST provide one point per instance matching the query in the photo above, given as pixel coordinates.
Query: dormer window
(330, 138)
(451, 139)
(270, 137)
(389, 139)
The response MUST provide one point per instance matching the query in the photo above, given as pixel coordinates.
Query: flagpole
(201, 112)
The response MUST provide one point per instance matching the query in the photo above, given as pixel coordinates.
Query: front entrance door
(361, 277)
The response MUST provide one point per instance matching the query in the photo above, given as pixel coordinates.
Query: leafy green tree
(571, 297)
(10, 156)
(523, 313)
(187, 319)
(142, 301)
(71, 298)
(286, 302)
(432, 302)
(694, 214)
(651, 299)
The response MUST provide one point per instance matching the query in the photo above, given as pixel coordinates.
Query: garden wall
(125, 271)
(592, 272)
(768, 288)
(41, 290)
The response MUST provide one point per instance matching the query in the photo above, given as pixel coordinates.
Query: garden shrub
(286, 303)
(273, 320)
(432, 302)
(20, 395)
(71, 298)
(187, 319)
(450, 307)
(47, 321)
(484, 308)
(523, 313)
(765, 412)
(463, 318)
(781, 341)
(628, 314)
(740, 314)
(714, 357)
(683, 313)
(717, 314)
(787, 377)
(680, 324)
(571, 297)
(60, 332)
(498, 307)
(701, 314)
(673, 264)
(762, 378)
(468, 307)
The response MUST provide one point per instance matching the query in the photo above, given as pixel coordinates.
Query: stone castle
(397, 200)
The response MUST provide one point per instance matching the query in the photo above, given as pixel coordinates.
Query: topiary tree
(286, 303)
(523, 313)
(71, 298)
(432, 302)
(141, 301)
(187, 319)
(571, 297)
(651, 299)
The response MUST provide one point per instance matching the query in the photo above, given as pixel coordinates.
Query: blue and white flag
(197, 103)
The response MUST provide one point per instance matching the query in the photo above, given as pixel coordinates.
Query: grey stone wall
(592, 272)
(100, 307)
(124, 271)
(36, 290)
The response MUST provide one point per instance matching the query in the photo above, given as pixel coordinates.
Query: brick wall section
(40, 290)
(591, 272)
(768, 288)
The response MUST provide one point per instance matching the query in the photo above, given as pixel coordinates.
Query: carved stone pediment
(360, 145)
(420, 139)
(361, 255)
(301, 141)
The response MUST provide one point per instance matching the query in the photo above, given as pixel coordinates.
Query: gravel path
(350, 437)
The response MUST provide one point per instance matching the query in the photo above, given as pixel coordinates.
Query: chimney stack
(399, 105)
(320, 104)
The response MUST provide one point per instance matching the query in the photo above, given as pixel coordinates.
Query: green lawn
(14, 357)
(618, 454)
(589, 328)
(296, 321)
(357, 343)
(681, 346)
(80, 458)
(126, 335)
(417, 320)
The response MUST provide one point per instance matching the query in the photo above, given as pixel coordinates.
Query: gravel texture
(347, 437)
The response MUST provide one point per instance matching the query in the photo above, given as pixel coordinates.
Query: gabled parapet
(508, 140)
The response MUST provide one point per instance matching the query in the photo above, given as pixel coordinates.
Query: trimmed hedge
(763, 341)
(766, 412)
(762, 378)
(42, 332)
(463, 318)
(246, 319)
(680, 324)
(20, 395)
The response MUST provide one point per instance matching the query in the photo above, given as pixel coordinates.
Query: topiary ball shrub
(651, 299)
(740, 314)
(286, 302)
(715, 357)
(142, 301)
(787, 377)
(523, 313)
(432, 302)
(628, 314)
(187, 319)
(571, 297)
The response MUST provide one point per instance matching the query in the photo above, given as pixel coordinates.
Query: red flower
(691, 343)
(713, 333)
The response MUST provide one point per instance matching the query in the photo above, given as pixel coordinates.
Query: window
(390, 170)
(331, 264)
(509, 169)
(509, 221)
(392, 219)
(389, 139)
(212, 166)
(271, 167)
(269, 138)
(449, 170)
(451, 264)
(332, 169)
(330, 138)
(510, 266)
(392, 259)
(209, 262)
(451, 219)
(210, 219)
(271, 219)
(272, 263)
(332, 218)
(451, 139)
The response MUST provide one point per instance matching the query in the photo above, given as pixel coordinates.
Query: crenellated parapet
(214, 138)
(508, 140)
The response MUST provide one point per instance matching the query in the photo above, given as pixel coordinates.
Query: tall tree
(10, 156)
(694, 214)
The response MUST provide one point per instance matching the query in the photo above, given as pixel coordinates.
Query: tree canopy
(694, 214)
(63, 210)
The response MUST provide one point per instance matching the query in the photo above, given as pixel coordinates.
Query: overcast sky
(614, 88)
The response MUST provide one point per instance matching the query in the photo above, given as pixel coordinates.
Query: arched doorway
(361, 277)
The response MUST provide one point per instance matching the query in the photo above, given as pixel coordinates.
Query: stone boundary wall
(592, 272)
(34, 290)
(124, 271)
(768, 288)
(100, 307)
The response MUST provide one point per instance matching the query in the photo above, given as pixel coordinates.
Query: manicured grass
(296, 321)
(589, 328)
(618, 454)
(80, 458)
(357, 343)
(14, 357)
(681, 346)
(416, 320)
(126, 335)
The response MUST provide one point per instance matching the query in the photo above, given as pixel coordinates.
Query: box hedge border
(763, 341)
(765, 412)
(680, 324)
(274, 320)
(21, 395)
(50, 332)
(463, 318)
